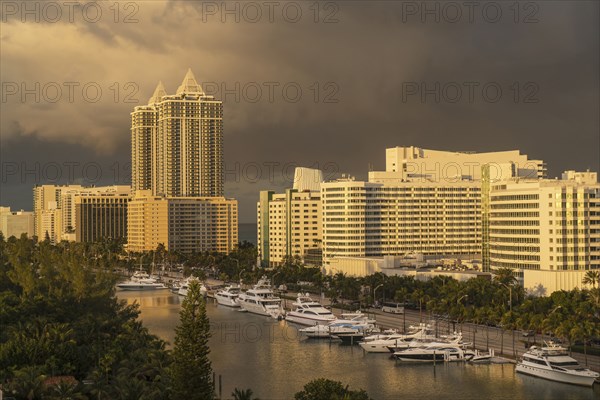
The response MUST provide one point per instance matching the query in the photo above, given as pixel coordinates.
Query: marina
(274, 348)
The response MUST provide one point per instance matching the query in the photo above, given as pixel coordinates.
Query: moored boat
(184, 286)
(432, 352)
(228, 296)
(140, 280)
(261, 300)
(349, 323)
(309, 312)
(396, 341)
(552, 362)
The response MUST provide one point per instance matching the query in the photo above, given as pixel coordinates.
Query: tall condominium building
(56, 205)
(45, 198)
(425, 202)
(16, 223)
(177, 143)
(101, 215)
(552, 226)
(50, 223)
(289, 225)
(184, 224)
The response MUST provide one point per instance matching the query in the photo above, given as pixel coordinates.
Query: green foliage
(505, 276)
(191, 370)
(591, 278)
(325, 389)
(243, 394)
(60, 317)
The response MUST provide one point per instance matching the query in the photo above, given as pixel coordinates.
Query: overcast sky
(329, 85)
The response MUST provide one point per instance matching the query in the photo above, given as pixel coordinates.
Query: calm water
(251, 351)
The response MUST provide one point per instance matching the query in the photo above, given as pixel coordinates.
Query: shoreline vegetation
(65, 334)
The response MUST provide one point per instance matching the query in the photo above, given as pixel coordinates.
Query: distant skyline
(372, 75)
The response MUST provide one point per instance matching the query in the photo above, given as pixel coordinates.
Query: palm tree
(28, 383)
(65, 390)
(420, 296)
(243, 394)
(509, 321)
(505, 276)
(591, 278)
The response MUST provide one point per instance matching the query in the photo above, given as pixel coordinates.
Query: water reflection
(251, 351)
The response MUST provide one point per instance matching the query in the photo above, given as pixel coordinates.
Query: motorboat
(353, 334)
(184, 286)
(427, 338)
(309, 312)
(140, 280)
(175, 286)
(261, 300)
(552, 362)
(433, 352)
(396, 341)
(349, 323)
(228, 296)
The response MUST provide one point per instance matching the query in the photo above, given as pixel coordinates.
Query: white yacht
(552, 362)
(396, 341)
(183, 288)
(140, 280)
(349, 323)
(261, 300)
(436, 351)
(309, 312)
(228, 296)
(426, 339)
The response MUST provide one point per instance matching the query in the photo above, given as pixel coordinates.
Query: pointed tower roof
(189, 84)
(158, 93)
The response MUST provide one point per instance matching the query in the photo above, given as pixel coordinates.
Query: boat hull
(382, 347)
(260, 310)
(140, 287)
(316, 332)
(424, 358)
(556, 376)
(350, 339)
(226, 301)
(302, 320)
(431, 356)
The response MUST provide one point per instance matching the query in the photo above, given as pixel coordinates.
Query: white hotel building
(547, 230)
(426, 201)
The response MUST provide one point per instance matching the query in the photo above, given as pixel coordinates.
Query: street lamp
(240, 276)
(375, 290)
(273, 277)
(459, 299)
(509, 295)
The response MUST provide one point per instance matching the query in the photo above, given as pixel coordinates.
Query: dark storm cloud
(362, 63)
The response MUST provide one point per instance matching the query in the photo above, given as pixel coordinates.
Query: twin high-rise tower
(177, 143)
(177, 174)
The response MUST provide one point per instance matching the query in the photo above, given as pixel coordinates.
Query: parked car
(528, 333)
